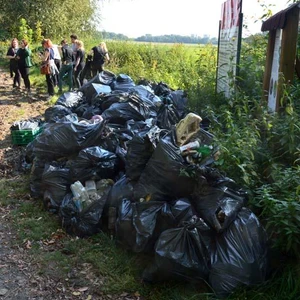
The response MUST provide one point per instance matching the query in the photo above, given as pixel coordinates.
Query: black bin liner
(125, 230)
(37, 169)
(123, 82)
(164, 175)
(56, 184)
(167, 116)
(239, 257)
(217, 199)
(70, 99)
(105, 77)
(139, 225)
(64, 139)
(179, 99)
(120, 190)
(181, 253)
(81, 223)
(93, 163)
(139, 152)
(56, 112)
(146, 94)
(131, 108)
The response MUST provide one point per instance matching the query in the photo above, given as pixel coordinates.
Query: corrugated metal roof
(278, 21)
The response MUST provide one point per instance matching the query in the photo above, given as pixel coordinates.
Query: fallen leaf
(76, 293)
(89, 297)
(83, 289)
(28, 245)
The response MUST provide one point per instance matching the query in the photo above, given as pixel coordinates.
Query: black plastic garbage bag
(86, 111)
(105, 77)
(162, 89)
(182, 210)
(139, 225)
(105, 101)
(131, 108)
(93, 163)
(70, 99)
(37, 169)
(179, 100)
(146, 94)
(90, 112)
(139, 152)
(120, 190)
(150, 219)
(81, 223)
(125, 230)
(166, 175)
(181, 253)
(110, 140)
(100, 89)
(167, 116)
(64, 139)
(217, 203)
(140, 127)
(240, 255)
(119, 113)
(29, 155)
(123, 82)
(56, 112)
(56, 182)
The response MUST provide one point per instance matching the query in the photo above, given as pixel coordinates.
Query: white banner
(228, 46)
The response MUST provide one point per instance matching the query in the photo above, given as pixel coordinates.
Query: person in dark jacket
(79, 63)
(24, 63)
(67, 66)
(100, 56)
(13, 63)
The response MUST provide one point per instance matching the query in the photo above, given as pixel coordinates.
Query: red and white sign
(229, 41)
(231, 10)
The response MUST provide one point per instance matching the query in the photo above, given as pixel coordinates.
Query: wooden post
(288, 51)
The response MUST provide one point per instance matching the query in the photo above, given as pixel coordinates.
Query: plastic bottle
(90, 186)
(204, 150)
(191, 145)
(81, 197)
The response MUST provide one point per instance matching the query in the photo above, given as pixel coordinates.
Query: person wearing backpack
(67, 66)
(100, 56)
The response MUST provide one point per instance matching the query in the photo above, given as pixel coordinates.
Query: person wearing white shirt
(57, 61)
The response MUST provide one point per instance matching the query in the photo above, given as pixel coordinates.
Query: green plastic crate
(24, 137)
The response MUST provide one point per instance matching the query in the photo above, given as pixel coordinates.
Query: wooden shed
(281, 53)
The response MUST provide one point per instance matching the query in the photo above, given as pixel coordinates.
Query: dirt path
(15, 106)
(18, 276)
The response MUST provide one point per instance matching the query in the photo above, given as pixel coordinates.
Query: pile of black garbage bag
(190, 218)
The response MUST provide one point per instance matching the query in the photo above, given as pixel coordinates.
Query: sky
(135, 18)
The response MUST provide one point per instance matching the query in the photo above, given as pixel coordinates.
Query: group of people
(66, 62)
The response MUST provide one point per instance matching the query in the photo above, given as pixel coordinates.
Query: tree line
(172, 38)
